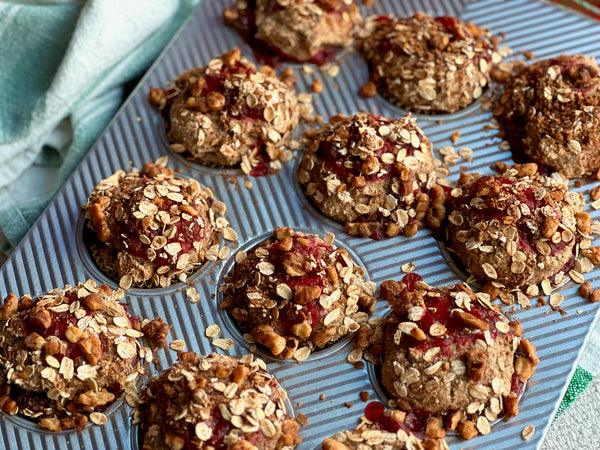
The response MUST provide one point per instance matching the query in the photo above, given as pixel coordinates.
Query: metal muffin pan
(54, 253)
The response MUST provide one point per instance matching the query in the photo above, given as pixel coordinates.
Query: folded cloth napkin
(64, 64)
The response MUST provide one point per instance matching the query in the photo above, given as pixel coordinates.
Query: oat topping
(299, 30)
(426, 64)
(67, 355)
(381, 429)
(231, 113)
(376, 175)
(451, 353)
(548, 111)
(517, 229)
(296, 293)
(153, 228)
(215, 401)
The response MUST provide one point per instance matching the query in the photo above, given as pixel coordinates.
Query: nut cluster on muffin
(429, 64)
(217, 402)
(516, 229)
(381, 429)
(452, 358)
(297, 30)
(548, 112)
(297, 292)
(153, 227)
(229, 114)
(67, 355)
(373, 174)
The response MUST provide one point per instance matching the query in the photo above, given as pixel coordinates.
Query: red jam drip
(526, 240)
(516, 385)
(374, 411)
(263, 168)
(187, 232)
(290, 315)
(272, 56)
(439, 310)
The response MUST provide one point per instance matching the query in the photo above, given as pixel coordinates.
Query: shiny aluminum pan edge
(54, 254)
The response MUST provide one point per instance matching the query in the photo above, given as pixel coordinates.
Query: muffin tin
(54, 251)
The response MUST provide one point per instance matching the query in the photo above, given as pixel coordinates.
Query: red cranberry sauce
(439, 309)
(186, 233)
(497, 205)
(271, 55)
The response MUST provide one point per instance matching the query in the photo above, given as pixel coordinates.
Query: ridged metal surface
(54, 253)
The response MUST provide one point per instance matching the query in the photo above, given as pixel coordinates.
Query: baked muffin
(217, 402)
(296, 292)
(514, 229)
(371, 173)
(230, 114)
(298, 30)
(452, 356)
(429, 65)
(548, 113)
(153, 228)
(382, 429)
(67, 355)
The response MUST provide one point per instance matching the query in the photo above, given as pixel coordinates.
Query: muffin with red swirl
(152, 227)
(297, 292)
(381, 429)
(548, 113)
(515, 229)
(230, 114)
(217, 402)
(371, 173)
(298, 30)
(428, 64)
(68, 355)
(451, 358)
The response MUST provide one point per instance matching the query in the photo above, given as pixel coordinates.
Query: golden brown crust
(296, 293)
(217, 401)
(427, 64)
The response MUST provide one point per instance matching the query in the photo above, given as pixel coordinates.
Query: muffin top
(429, 64)
(451, 355)
(152, 226)
(230, 114)
(215, 401)
(296, 293)
(371, 173)
(69, 353)
(515, 229)
(548, 113)
(298, 30)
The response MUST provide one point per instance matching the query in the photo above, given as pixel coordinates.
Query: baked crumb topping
(231, 113)
(428, 64)
(376, 175)
(154, 228)
(297, 293)
(215, 401)
(67, 355)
